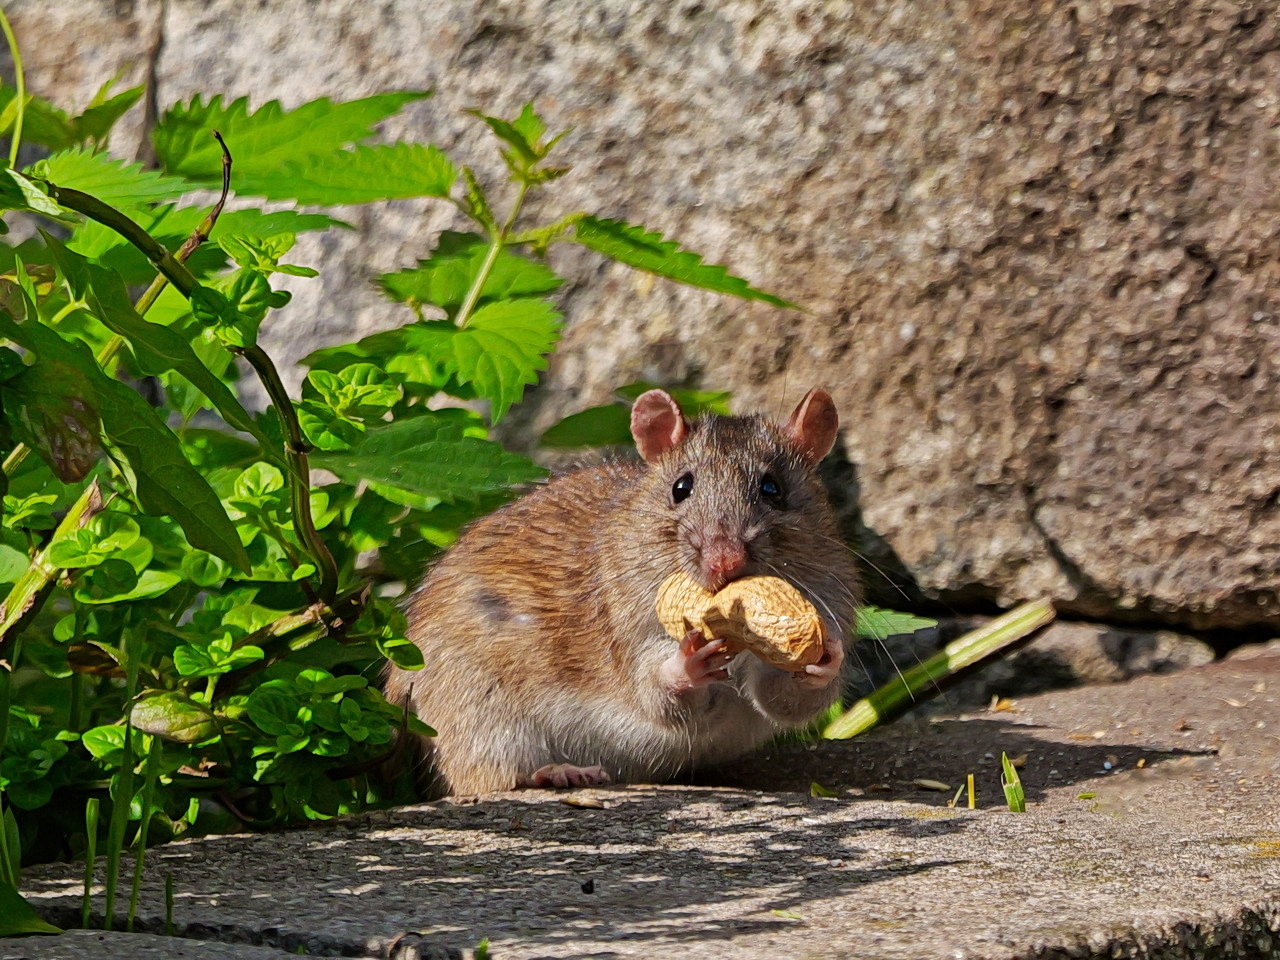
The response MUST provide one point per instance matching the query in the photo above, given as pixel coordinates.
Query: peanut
(765, 615)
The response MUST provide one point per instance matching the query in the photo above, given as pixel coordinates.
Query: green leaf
(383, 172)
(266, 139)
(19, 193)
(18, 918)
(158, 348)
(647, 250)
(428, 458)
(444, 279)
(43, 123)
(151, 584)
(609, 425)
(163, 479)
(874, 623)
(512, 135)
(101, 115)
(503, 346)
(173, 716)
(112, 181)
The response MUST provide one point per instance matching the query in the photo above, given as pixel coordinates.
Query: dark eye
(771, 489)
(681, 489)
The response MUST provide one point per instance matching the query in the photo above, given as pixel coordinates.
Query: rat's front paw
(565, 775)
(818, 676)
(697, 663)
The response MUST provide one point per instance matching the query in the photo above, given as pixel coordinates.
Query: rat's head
(737, 496)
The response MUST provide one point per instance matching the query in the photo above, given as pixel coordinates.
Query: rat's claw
(819, 675)
(561, 775)
(698, 662)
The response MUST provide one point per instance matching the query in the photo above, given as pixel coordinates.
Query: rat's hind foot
(565, 775)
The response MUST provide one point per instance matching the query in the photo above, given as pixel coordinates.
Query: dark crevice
(146, 154)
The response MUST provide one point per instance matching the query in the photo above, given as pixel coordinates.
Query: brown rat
(545, 661)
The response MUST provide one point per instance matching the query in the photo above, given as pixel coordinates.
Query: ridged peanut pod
(765, 615)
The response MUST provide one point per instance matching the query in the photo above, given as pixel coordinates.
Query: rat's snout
(724, 558)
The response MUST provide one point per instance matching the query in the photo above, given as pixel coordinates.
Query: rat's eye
(681, 489)
(771, 490)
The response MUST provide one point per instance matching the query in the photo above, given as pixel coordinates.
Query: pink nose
(723, 558)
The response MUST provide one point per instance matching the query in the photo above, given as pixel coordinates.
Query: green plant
(1011, 783)
(923, 677)
(192, 627)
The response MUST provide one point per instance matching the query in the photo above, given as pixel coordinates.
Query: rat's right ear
(657, 424)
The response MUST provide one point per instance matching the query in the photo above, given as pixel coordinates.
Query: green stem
(27, 595)
(296, 449)
(20, 85)
(151, 773)
(91, 813)
(496, 242)
(170, 267)
(955, 656)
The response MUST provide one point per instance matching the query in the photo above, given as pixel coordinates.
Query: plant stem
(91, 811)
(150, 774)
(20, 86)
(955, 656)
(26, 597)
(296, 448)
(496, 243)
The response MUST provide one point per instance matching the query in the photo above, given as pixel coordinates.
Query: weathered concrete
(1040, 244)
(1153, 830)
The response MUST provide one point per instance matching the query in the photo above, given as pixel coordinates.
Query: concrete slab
(1153, 830)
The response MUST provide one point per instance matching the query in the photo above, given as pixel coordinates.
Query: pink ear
(813, 425)
(656, 424)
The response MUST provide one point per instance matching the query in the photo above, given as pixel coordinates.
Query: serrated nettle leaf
(262, 140)
(115, 182)
(102, 113)
(525, 151)
(503, 346)
(530, 126)
(648, 250)
(878, 624)
(173, 716)
(42, 123)
(429, 457)
(445, 278)
(365, 174)
(477, 202)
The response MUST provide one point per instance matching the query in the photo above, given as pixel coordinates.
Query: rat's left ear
(813, 425)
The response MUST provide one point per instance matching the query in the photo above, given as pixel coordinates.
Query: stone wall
(1039, 244)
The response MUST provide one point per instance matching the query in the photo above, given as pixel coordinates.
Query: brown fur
(538, 630)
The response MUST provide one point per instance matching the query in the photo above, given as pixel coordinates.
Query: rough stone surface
(1039, 245)
(1153, 831)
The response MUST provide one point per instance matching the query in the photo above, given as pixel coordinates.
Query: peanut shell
(765, 615)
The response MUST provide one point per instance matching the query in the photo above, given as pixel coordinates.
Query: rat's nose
(723, 559)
